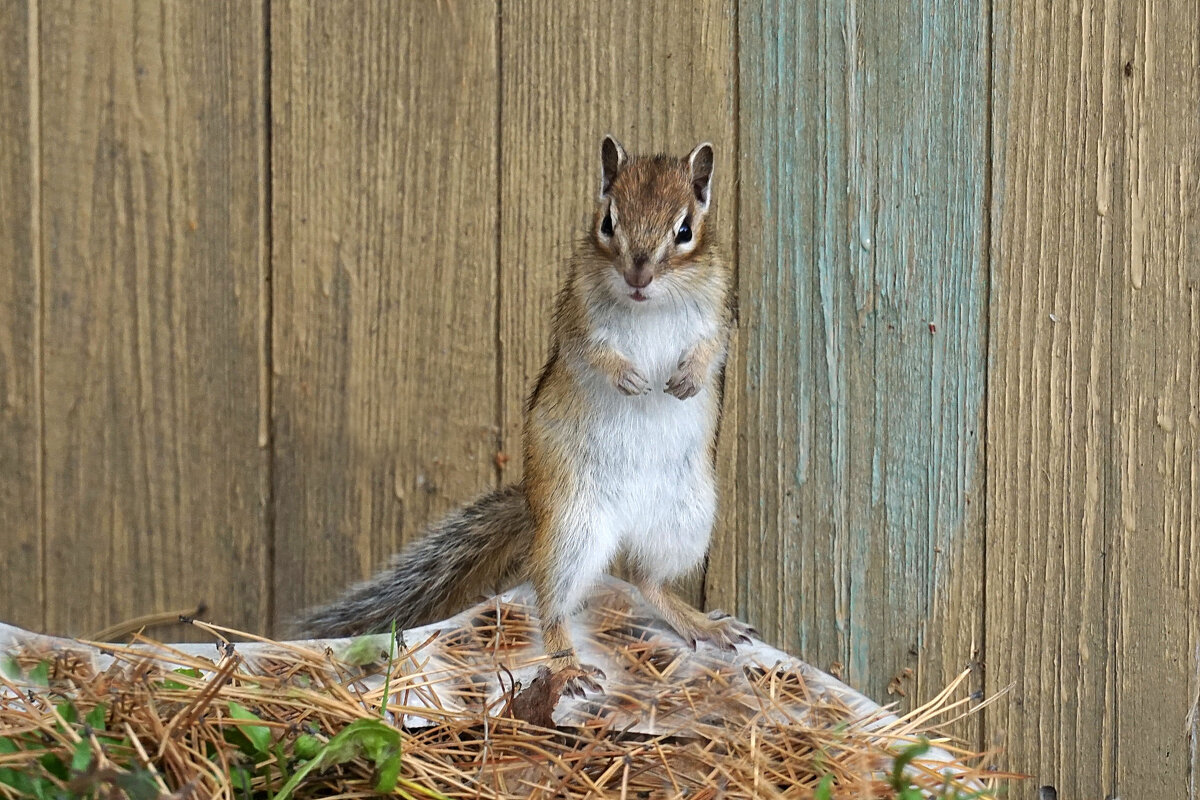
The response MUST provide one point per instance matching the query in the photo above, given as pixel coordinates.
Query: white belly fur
(645, 460)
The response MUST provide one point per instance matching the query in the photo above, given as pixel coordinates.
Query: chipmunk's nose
(640, 276)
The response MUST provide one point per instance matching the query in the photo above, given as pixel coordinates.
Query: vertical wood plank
(1155, 514)
(660, 77)
(21, 591)
(384, 165)
(153, 175)
(863, 158)
(1058, 218)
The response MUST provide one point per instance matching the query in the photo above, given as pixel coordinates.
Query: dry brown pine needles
(264, 719)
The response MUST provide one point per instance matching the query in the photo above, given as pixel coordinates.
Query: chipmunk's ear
(612, 158)
(700, 163)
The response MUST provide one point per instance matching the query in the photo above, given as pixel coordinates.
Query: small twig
(123, 629)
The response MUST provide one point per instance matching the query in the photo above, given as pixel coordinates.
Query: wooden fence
(277, 276)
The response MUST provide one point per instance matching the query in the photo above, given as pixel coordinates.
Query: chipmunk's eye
(606, 226)
(684, 234)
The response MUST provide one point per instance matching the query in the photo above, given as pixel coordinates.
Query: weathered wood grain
(431, 166)
(21, 590)
(657, 75)
(863, 283)
(1058, 222)
(153, 221)
(384, 170)
(1154, 511)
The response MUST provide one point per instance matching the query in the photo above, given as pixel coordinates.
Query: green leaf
(898, 781)
(369, 738)
(44, 790)
(307, 746)
(824, 790)
(95, 717)
(82, 757)
(389, 771)
(55, 766)
(387, 681)
(281, 760)
(239, 778)
(11, 667)
(373, 740)
(25, 785)
(67, 712)
(16, 780)
(259, 736)
(40, 675)
(363, 650)
(190, 672)
(138, 785)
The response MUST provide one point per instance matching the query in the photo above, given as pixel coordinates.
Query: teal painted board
(863, 286)
(21, 593)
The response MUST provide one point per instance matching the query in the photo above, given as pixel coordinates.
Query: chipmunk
(619, 435)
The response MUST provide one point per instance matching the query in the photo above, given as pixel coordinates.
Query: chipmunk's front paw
(632, 382)
(685, 382)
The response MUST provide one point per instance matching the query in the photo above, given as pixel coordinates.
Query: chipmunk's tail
(477, 550)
